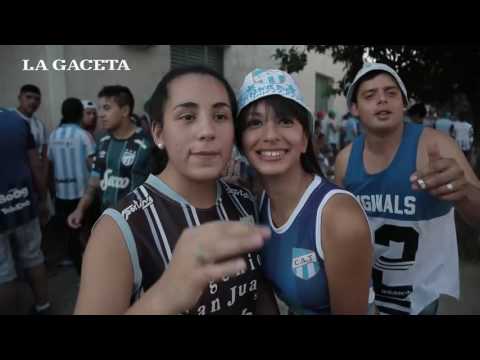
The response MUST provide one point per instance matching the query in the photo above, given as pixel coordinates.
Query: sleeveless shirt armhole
(131, 246)
(318, 223)
(351, 161)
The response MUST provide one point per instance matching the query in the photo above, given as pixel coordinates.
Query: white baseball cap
(88, 104)
(261, 83)
(369, 67)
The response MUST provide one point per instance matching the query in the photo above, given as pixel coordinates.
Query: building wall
(12, 77)
(241, 59)
(147, 65)
(321, 64)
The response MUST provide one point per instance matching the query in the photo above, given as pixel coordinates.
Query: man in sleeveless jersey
(409, 180)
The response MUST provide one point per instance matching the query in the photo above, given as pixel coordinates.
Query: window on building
(211, 56)
(323, 92)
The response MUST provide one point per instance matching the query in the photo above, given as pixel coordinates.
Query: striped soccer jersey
(121, 165)
(152, 218)
(69, 147)
(416, 255)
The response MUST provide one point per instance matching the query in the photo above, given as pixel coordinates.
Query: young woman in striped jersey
(184, 241)
(320, 254)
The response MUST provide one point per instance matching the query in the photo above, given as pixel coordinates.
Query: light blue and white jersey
(444, 125)
(416, 255)
(38, 129)
(68, 149)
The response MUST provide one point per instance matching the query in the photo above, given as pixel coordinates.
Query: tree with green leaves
(435, 74)
(438, 75)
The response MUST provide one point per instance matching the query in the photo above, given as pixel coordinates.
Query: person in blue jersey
(69, 150)
(20, 234)
(29, 100)
(409, 179)
(319, 257)
(184, 241)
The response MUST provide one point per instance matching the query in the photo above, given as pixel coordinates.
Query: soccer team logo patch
(128, 157)
(304, 263)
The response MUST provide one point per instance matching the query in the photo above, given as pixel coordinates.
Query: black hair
(369, 76)
(30, 88)
(72, 111)
(155, 105)
(135, 119)
(417, 109)
(120, 94)
(289, 109)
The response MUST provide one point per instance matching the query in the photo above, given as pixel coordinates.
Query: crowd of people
(213, 203)
(332, 134)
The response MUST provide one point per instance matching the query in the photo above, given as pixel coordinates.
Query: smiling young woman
(319, 257)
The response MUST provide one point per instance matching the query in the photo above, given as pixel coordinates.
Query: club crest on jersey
(128, 157)
(304, 263)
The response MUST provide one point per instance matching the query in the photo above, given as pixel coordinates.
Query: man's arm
(447, 175)
(93, 181)
(341, 163)
(74, 220)
(37, 173)
(90, 193)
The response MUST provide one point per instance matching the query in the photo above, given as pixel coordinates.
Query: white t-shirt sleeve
(89, 144)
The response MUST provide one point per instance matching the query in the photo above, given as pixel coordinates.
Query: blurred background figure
(89, 121)
(463, 133)
(417, 113)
